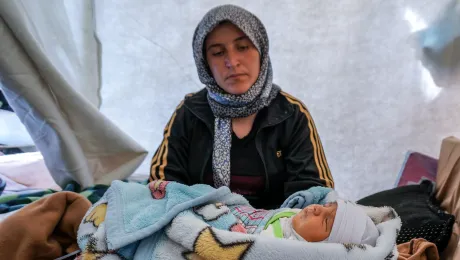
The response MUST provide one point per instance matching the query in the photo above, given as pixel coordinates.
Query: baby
(337, 222)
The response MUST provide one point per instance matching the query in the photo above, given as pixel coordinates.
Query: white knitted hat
(352, 225)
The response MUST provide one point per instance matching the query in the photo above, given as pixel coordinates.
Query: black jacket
(287, 142)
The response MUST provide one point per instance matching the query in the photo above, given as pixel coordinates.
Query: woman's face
(314, 223)
(233, 59)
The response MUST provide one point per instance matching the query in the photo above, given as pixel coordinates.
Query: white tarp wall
(350, 61)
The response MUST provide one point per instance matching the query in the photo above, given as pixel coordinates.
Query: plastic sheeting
(49, 72)
(438, 46)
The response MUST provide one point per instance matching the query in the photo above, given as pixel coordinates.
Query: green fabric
(277, 230)
(276, 224)
(283, 214)
(6, 198)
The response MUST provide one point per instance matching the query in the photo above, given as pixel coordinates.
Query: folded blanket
(44, 229)
(174, 221)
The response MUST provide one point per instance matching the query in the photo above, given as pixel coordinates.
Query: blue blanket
(174, 221)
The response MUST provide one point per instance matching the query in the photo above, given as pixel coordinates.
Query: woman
(240, 131)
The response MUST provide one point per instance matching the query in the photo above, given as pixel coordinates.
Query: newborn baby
(337, 222)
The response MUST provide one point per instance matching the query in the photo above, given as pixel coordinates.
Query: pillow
(420, 213)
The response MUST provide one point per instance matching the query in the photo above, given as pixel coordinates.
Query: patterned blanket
(12, 202)
(174, 221)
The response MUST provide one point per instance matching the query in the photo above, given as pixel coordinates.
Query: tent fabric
(372, 94)
(13, 133)
(50, 76)
(352, 63)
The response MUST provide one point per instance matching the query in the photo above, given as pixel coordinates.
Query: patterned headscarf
(226, 106)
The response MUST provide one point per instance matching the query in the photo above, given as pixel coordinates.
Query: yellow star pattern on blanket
(207, 246)
(97, 215)
(92, 256)
(98, 256)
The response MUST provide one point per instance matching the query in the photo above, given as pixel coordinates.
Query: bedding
(27, 169)
(18, 200)
(45, 229)
(5, 215)
(10, 186)
(174, 221)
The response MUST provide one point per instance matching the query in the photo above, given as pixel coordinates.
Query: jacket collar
(278, 111)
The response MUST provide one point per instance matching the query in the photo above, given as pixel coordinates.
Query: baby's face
(314, 223)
